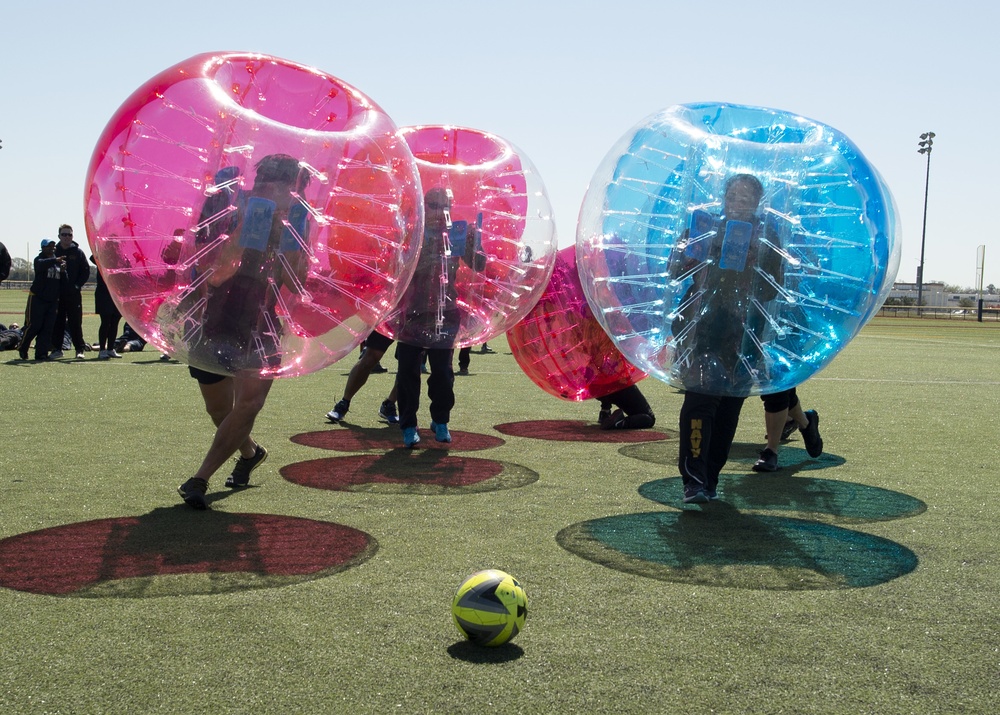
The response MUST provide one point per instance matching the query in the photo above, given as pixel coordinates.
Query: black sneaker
(810, 435)
(339, 410)
(387, 412)
(377, 369)
(193, 493)
(241, 472)
(768, 461)
(788, 429)
(603, 415)
(695, 493)
(486, 350)
(616, 420)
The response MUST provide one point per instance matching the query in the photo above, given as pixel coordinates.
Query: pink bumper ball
(253, 214)
(562, 347)
(488, 245)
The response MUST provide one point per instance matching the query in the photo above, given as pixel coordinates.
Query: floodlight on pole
(926, 144)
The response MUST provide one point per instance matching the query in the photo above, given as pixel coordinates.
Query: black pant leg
(441, 383)
(696, 422)
(408, 383)
(727, 418)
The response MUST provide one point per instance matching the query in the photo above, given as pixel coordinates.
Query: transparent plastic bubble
(253, 214)
(488, 244)
(735, 250)
(561, 346)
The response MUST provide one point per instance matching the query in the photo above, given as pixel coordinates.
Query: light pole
(926, 145)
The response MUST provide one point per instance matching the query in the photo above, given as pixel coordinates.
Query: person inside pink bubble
(431, 304)
(240, 325)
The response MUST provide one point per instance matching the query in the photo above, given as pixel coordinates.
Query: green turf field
(861, 582)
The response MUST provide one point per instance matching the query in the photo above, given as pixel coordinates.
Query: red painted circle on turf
(361, 439)
(576, 431)
(175, 541)
(407, 468)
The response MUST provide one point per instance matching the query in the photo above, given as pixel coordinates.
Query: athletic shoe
(112, 353)
(22, 355)
(377, 369)
(787, 430)
(486, 350)
(80, 355)
(164, 357)
(695, 494)
(603, 415)
(339, 410)
(463, 371)
(616, 420)
(768, 461)
(810, 435)
(241, 472)
(387, 412)
(441, 433)
(193, 493)
(103, 355)
(410, 437)
(55, 355)
(712, 495)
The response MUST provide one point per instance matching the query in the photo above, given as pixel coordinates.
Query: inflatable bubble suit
(561, 346)
(735, 250)
(253, 214)
(488, 243)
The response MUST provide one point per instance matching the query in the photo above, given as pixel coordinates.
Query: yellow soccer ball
(490, 607)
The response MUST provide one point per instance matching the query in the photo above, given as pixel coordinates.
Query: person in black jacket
(4, 263)
(70, 313)
(110, 317)
(43, 301)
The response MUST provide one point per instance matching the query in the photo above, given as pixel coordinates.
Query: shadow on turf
(824, 499)
(175, 551)
(346, 437)
(472, 653)
(721, 546)
(407, 471)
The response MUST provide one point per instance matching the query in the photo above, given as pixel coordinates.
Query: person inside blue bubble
(735, 267)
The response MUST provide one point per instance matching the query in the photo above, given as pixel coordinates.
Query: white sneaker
(103, 355)
(112, 353)
(80, 356)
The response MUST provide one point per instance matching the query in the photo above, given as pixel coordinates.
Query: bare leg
(775, 423)
(798, 415)
(249, 395)
(219, 397)
(358, 376)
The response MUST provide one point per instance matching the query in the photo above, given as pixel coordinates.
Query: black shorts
(204, 377)
(377, 341)
(778, 401)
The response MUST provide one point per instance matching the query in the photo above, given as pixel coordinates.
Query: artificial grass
(908, 407)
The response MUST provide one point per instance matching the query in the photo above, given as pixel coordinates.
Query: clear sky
(560, 80)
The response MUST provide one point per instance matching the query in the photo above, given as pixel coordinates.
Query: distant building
(935, 296)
